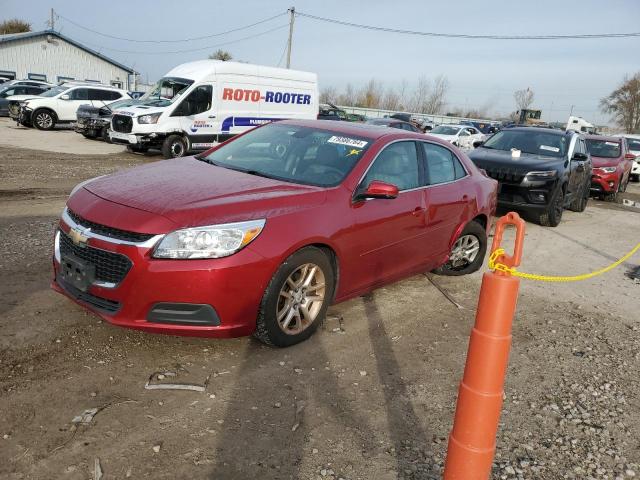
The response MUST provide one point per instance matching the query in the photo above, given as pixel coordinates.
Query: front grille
(110, 267)
(122, 123)
(110, 232)
(100, 303)
(507, 175)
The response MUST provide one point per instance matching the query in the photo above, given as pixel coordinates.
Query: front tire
(552, 216)
(467, 253)
(296, 299)
(580, 203)
(174, 146)
(44, 119)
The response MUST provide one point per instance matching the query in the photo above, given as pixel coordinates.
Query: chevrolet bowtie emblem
(78, 237)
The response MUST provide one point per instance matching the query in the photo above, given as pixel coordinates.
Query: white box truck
(199, 104)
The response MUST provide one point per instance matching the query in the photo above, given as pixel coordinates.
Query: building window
(65, 79)
(37, 76)
(8, 74)
(116, 83)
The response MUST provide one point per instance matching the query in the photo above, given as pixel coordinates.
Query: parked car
(7, 92)
(394, 123)
(59, 105)
(541, 171)
(260, 234)
(633, 141)
(612, 164)
(3, 80)
(93, 121)
(463, 136)
(28, 83)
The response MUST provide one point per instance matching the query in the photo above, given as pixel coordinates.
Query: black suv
(539, 170)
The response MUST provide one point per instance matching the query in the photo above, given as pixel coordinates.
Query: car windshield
(166, 91)
(292, 153)
(529, 141)
(444, 130)
(603, 148)
(634, 144)
(54, 91)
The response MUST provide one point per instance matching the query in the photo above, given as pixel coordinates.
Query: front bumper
(86, 125)
(523, 198)
(207, 298)
(604, 182)
(141, 139)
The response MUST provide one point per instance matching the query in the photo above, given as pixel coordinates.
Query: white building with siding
(53, 57)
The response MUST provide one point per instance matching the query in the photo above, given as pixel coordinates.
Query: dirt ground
(370, 396)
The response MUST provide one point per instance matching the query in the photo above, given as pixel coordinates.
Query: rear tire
(280, 293)
(174, 146)
(456, 265)
(553, 215)
(635, 178)
(43, 119)
(580, 203)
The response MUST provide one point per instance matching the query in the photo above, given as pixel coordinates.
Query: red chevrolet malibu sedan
(612, 164)
(262, 233)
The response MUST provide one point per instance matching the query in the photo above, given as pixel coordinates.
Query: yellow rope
(500, 267)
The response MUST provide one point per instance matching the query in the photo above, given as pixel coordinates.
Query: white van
(199, 104)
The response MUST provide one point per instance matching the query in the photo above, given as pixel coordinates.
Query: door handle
(417, 211)
(212, 116)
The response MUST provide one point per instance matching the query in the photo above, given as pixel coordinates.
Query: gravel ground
(370, 396)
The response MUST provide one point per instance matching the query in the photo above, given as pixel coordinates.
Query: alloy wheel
(464, 251)
(301, 298)
(44, 120)
(177, 149)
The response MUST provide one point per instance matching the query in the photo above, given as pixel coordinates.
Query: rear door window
(79, 94)
(441, 165)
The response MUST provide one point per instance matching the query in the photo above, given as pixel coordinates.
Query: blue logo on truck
(229, 122)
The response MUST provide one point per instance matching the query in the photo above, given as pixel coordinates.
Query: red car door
(389, 235)
(448, 197)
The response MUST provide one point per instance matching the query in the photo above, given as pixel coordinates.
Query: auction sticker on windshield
(550, 149)
(349, 142)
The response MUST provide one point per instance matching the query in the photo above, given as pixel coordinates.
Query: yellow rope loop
(500, 267)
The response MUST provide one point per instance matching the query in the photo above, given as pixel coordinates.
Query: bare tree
(524, 98)
(436, 99)
(221, 55)
(348, 97)
(624, 104)
(420, 95)
(370, 95)
(391, 100)
(14, 25)
(328, 95)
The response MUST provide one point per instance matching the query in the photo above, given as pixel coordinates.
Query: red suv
(262, 233)
(612, 163)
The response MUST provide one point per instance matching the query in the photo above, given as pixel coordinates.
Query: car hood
(137, 110)
(599, 162)
(490, 159)
(444, 137)
(190, 192)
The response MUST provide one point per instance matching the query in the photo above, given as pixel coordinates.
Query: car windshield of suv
(166, 91)
(603, 148)
(529, 141)
(310, 156)
(54, 91)
(634, 144)
(444, 130)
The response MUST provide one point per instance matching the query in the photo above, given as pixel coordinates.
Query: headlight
(151, 118)
(606, 169)
(212, 241)
(542, 175)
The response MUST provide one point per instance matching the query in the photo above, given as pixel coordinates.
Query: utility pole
(571, 112)
(51, 22)
(292, 11)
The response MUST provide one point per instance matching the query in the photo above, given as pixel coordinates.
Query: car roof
(553, 131)
(366, 130)
(606, 138)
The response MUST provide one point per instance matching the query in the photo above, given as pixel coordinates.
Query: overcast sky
(562, 73)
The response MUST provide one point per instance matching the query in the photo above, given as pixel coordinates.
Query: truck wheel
(90, 135)
(174, 146)
(467, 253)
(44, 119)
(552, 216)
(580, 203)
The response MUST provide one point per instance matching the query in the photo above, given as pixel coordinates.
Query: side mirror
(629, 156)
(64, 97)
(580, 157)
(478, 143)
(378, 189)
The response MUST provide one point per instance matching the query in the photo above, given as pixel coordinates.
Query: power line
(468, 36)
(171, 41)
(210, 47)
